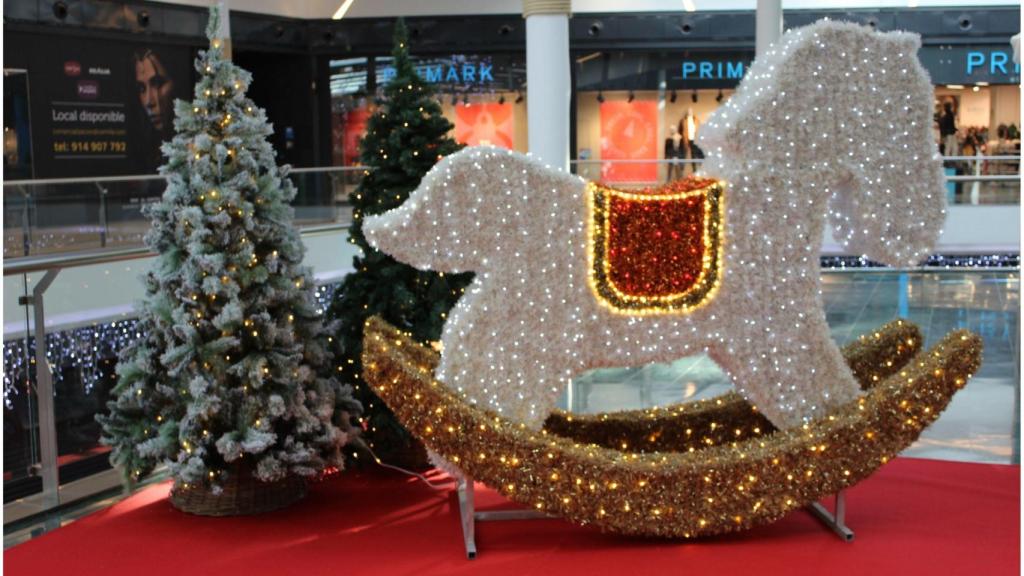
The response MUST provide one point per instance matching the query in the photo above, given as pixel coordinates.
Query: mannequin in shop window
(675, 150)
(688, 130)
(1002, 146)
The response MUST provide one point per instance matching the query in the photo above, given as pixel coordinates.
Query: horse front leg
(788, 367)
(500, 369)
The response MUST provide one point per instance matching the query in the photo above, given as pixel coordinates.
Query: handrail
(141, 177)
(1009, 158)
(325, 169)
(699, 160)
(87, 180)
(984, 178)
(29, 264)
(318, 169)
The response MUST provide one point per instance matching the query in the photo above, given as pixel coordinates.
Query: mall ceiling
(298, 27)
(319, 9)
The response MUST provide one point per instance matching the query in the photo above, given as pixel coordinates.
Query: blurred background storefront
(642, 83)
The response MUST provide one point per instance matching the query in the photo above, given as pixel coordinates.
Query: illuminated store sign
(457, 71)
(970, 64)
(992, 62)
(712, 70)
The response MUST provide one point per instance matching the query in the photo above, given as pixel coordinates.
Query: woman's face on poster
(155, 88)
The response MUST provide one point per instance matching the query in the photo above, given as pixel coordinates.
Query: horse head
(877, 164)
(470, 206)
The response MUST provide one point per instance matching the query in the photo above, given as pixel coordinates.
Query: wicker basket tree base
(242, 495)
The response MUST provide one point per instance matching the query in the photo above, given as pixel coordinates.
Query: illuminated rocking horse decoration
(571, 276)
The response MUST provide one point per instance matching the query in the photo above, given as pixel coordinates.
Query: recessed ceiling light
(340, 12)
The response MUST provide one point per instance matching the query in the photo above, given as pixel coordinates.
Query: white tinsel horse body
(835, 120)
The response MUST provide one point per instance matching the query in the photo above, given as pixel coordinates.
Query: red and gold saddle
(655, 250)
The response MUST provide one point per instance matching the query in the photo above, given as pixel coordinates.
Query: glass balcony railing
(74, 250)
(971, 180)
(85, 214)
(76, 311)
(78, 214)
(52, 453)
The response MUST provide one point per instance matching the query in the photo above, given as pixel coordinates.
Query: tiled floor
(981, 424)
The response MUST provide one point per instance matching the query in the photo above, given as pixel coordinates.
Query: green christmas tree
(405, 137)
(233, 372)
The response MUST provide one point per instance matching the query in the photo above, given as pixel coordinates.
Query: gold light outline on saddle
(599, 200)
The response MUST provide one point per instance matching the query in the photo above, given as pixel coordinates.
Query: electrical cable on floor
(381, 463)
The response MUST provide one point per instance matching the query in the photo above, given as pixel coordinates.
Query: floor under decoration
(915, 516)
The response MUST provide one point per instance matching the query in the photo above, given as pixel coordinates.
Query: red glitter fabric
(655, 247)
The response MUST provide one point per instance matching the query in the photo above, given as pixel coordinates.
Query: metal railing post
(26, 237)
(44, 395)
(103, 214)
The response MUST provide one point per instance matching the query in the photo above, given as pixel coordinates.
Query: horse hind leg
(791, 375)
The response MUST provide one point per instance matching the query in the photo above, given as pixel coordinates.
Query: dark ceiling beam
(489, 33)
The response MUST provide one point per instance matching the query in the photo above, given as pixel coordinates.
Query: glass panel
(17, 218)
(88, 320)
(982, 422)
(83, 361)
(53, 217)
(318, 196)
(21, 424)
(119, 217)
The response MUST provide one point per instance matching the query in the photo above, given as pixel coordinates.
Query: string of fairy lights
(792, 161)
(730, 472)
(83, 356)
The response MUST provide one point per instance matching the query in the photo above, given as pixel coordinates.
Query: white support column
(547, 80)
(769, 24)
(224, 30)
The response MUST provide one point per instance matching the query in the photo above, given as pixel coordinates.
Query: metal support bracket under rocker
(837, 521)
(469, 516)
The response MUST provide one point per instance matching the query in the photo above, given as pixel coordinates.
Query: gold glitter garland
(680, 286)
(699, 424)
(718, 489)
(727, 418)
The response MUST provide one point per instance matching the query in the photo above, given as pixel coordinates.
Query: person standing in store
(674, 151)
(947, 130)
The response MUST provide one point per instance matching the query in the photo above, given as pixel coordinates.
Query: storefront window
(483, 96)
(350, 109)
(634, 111)
(977, 113)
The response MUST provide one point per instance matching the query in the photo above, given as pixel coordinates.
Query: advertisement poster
(629, 131)
(489, 124)
(101, 109)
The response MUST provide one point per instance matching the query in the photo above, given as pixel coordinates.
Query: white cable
(400, 469)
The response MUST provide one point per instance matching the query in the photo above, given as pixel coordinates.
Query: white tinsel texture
(833, 122)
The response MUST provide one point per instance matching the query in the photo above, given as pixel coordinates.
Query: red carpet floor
(913, 517)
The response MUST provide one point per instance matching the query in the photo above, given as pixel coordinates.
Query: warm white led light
(833, 121)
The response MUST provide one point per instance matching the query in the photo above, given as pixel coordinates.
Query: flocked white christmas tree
(232, 373)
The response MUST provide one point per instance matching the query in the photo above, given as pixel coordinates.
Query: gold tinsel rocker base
(688, 470)
(242, 495)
